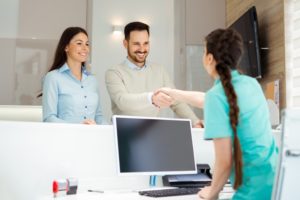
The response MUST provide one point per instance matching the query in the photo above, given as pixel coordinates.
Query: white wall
(29, 33)
(292, 52)
(8, 32)
(9, 18)
(202, 17)
(194, 19)
(108, 50)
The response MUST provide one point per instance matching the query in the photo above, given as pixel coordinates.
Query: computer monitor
(154, 146)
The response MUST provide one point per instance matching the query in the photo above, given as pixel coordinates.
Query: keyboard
(169, 192)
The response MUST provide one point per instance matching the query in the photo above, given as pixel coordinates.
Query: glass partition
(29, 33)
(197, 77)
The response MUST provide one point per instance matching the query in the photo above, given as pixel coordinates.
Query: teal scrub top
(258, 146)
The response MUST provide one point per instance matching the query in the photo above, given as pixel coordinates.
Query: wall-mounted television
(247, 26)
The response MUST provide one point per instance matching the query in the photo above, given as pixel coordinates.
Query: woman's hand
(199, 124)
(167, 91)
(205, 193)
(89, 122)
(162, 100)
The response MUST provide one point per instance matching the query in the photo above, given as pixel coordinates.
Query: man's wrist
(152, 99)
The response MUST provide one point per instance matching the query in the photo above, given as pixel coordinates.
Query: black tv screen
(247, 26)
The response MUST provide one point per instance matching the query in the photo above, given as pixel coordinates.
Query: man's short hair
(135, 26)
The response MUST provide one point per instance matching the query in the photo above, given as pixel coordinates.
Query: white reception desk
(33, 154)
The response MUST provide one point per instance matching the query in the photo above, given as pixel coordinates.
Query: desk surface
(114, 195)
(42, 152)
(34, 154)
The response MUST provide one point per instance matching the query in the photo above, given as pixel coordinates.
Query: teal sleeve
(216, 117)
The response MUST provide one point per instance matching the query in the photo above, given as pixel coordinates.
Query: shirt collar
(234, 73)
(65, 67)
(133, 66)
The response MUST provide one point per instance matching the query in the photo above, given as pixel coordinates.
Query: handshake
(163, 97)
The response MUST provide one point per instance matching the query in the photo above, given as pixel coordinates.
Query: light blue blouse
(259, 150)
(68, 100)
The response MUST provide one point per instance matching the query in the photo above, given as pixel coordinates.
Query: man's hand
(166, 90)
(162, 100)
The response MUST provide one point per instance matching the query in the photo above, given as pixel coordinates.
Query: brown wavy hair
(226, 46)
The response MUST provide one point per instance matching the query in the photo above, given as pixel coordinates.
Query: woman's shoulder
(249, 81)
(216, 92)
(216, 89)
(52, 75)
(247, 78)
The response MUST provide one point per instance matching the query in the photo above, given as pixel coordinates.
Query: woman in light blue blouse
(70, 93)
(236, 117)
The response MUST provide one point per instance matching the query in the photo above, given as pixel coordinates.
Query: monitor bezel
(114, 118)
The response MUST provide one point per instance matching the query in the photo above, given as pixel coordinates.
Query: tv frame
(114, 118)
(254, 41)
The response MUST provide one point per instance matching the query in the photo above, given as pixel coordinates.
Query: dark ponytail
(226, 47)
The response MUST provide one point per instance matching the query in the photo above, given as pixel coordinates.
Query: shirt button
(84, 96)
(85, 106)
(82, 86)
(84, 117)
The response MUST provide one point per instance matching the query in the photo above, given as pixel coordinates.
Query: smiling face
(137, 47)
(78, 49)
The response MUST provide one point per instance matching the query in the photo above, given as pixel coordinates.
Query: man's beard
(134, 57)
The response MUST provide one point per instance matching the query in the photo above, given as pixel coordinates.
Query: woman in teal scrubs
(236, 117)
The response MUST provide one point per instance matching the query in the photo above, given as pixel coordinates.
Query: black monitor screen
(247, 26)
(154, 145)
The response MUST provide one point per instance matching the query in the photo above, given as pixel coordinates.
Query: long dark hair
(226, 46)
(60, 56)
